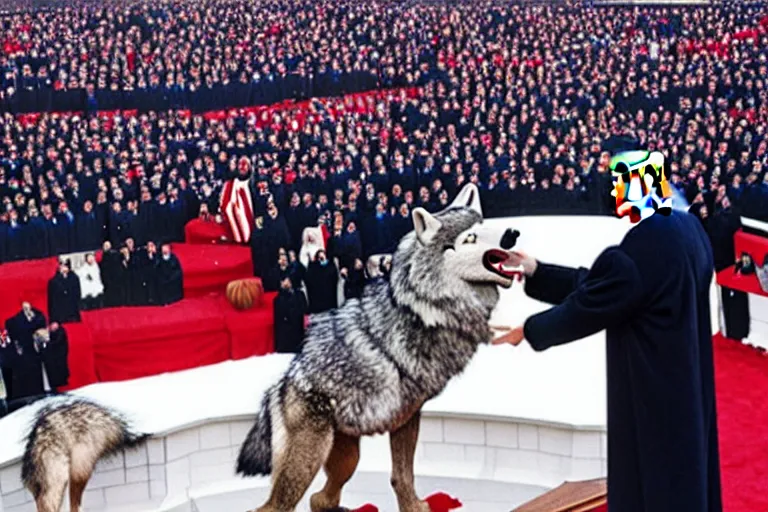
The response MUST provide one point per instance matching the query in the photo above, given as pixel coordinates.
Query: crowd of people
(130, 276)
(526, 101)
(204, 55)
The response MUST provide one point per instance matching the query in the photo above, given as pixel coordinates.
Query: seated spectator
(91, 287)
(290, 307)
(321, 280)
(170, 279)
(64, 295)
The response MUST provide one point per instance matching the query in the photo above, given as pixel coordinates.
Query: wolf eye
(471, 239)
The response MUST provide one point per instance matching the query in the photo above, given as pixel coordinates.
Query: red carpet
(742, 401)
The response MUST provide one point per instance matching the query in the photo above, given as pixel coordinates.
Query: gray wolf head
(451, 253)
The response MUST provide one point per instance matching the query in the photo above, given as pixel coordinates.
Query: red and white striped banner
(237, 209)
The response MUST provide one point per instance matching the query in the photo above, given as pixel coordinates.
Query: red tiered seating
(125, 343)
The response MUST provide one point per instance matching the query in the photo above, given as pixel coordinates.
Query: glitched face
(641, 186)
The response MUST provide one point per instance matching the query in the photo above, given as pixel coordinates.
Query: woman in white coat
(91, 287)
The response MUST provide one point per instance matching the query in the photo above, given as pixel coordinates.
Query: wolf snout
(509, 239)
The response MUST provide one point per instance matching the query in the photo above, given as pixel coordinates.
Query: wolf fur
(368, 367)
(67, 439)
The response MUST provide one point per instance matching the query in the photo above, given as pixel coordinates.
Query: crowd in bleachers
(526, 101)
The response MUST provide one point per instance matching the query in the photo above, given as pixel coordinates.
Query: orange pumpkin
(245, 293)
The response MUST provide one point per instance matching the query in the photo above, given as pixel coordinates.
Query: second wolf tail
(256, 452)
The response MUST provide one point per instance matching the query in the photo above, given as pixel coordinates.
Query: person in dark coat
(109, 268)
(87, 229)
(7, 357)
(54, 356)
(170, 279)
(123, 278)
(36, 235)
(27, 369)
(259, 249)
(147, 264)
(290, 306)
(354, 280)
(662, 421)
(297, 270)
(321, 281)
(64, 295)
(276, 234)
(277, 273)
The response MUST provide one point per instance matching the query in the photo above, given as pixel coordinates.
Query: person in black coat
(64, 295)
(57, 232)
(170, 278)
(276, 234)
(321, 281)
(290, 306)
(354, 280)
(147, 262)
(651, 294)
(7, 357)
(259, 249)
(109, 268)
(27, 369)
(123, 278)
(36, 236)
(87, 229)
(277, 273)
(53, 354)
(297, 270)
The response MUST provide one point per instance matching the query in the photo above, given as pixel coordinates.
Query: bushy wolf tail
(256, 452)
(65, 442)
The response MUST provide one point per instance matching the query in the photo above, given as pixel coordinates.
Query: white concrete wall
(196, 463)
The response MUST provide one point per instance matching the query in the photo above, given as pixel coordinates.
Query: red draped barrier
(208, 268)
(204, 232)
(137, 342)
(81, 361)
(251, 331)
(125, 343)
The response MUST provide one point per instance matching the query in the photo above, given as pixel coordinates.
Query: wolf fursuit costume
(368, 367)
(67, 439)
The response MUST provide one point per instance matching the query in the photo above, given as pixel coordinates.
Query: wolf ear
(468, 196)
(425, 225)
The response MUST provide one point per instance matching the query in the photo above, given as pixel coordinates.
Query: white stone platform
(513, 425)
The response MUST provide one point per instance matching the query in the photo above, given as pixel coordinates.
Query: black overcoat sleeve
(553, 283)
(604, 298)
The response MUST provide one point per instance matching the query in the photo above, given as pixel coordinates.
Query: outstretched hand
(524, 260)
(513, 337)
